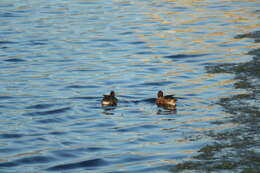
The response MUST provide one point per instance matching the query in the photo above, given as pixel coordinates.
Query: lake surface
(58, 58)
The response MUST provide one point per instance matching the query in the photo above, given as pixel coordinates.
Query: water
(58, 58)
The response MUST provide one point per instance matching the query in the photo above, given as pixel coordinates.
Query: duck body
(168, 101)
(109, 100)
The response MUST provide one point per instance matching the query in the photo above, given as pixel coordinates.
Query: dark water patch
(11, 135)
(229, 45)
(179, 7)
(137, 42)
(108, 108)
(61, 60)
(135, 128)
(79, 43)
(69, 143)
(75, 152)
(87, 2)
(23, 10)
(163, 83)
(83, 164)
(167, 111)
(34, 160)
(3, 106)
(126, 33)
(40, 139)
(65, 154)
(27, 160)
(182, 56)
(254, 52)
(220, 68)
(54, 12)
(8, 150)
(94, 149)
(155, 169)
(114, 82)
(8, 14)
(55, 111)
(102, 125)
(8, 164)
(125, 99)
(7, 42)
(6, 97)
(57, 133)
(133, 158)
(105, 40)
(37, 42)
(81, 86)
(84, 70)
(145, 53)
(208, 64)
(7, 32)
(192, 61)
(86, 98)
(50, 120)
(127, 96)
(14, 60)
(254, 35)
(149, 100)
(129, 101)
(155, 69)
(243, 70)
(40, 106)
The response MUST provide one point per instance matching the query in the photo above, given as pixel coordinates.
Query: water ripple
(181, 56)
(8, 42)
(55, 111)
(84, 164)
(40, 106)
(7, 136)
(14, 60)
(28, 160)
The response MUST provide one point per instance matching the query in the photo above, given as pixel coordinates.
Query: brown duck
(109, 100)
(168, 101)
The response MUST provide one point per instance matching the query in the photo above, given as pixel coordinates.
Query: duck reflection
(166, 111)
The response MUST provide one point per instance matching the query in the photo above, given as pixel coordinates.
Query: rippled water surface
(57, 59)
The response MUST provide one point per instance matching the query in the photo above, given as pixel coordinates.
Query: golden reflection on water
(192, 120)
(148, 154)
(185, 24)
(188, 151)
(220, 127)
(169, 161)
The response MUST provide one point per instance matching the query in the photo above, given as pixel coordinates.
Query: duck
(109, 100)
(168, 101)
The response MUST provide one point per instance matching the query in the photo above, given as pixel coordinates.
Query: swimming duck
(109, 100)
(168, 101)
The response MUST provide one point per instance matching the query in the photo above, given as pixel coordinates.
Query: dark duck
(168, 101)
(109, 100)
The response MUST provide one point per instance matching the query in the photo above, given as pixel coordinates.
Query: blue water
(57, 59)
